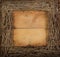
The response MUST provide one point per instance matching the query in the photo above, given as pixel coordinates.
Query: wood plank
(33, 37)
(30, 19)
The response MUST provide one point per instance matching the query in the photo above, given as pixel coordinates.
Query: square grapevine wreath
(29, 28)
